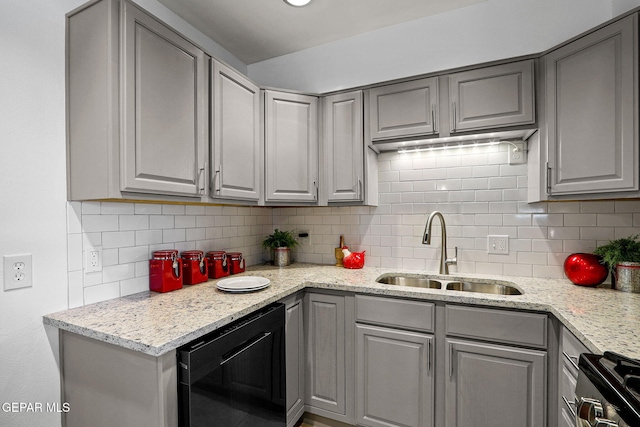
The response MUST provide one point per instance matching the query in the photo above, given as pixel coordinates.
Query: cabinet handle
(217, 181)
(453, 126)
(433, 118)
(201, 182)
(548, 178)
(359, 189)
(572, 406)
(315, 185)
(429, 356)
(450, 360)
(572, 359)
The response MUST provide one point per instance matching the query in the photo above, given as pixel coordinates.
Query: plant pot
(281, 257)
(628, 277)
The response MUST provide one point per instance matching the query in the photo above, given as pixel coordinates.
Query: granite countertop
(154, 324)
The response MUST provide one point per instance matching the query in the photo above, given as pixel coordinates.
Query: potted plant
(622, 256)
(280, 244)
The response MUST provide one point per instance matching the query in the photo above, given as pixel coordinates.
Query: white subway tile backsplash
(99, 223)
(133, 222)
(475, 189)
(101, 292)
(116, 208)
(118, 239)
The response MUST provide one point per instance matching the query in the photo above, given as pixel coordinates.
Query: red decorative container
(585, 269)
(236, 262)
(218, 265)
(165, 271)
(194, 267)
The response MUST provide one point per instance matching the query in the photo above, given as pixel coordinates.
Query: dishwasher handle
(246, 346)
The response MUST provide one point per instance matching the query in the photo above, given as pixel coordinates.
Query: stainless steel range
(608, 391)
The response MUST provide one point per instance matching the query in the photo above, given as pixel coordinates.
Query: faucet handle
(453, 260)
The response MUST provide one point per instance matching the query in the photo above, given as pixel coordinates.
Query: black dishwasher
(235, 376)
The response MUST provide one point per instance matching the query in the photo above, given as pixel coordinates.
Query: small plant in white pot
(622, 256)
(280, 244)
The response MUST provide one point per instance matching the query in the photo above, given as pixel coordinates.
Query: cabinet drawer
(511, 327)
(414, 315)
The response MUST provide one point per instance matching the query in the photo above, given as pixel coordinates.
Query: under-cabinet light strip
(446, 146)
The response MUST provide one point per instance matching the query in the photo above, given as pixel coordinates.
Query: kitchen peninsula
(152, 325)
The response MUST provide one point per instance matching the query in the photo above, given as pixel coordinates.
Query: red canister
(236, 262)
(218, 265)
(165, 271)
(194, 267)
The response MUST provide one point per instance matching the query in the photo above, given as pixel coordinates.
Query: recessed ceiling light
(297, 3)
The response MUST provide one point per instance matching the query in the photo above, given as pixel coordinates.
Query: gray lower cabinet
(404, 109)
(295, 360)
(329, 353)
(492, 97)
(236, 155)
(495, 367)
(137, 102)
(494, 385)
(592, 113)
(394, 377)
(107, 385)
(291, 147)
(343, 147)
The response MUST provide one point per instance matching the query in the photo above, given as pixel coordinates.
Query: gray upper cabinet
(343, 147)
(404, 109)
(236, 155)
(164, 108)
(291, 147)
(329, 352)
(492, 97)
(592, 113)
(494, 385)
(137, 102)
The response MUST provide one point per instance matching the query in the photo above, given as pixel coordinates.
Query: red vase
(585, 269)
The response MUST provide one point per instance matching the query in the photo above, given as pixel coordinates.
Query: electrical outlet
(498, 245)
(93, 259)
(17, 271)
(517, 157)
(304, 237)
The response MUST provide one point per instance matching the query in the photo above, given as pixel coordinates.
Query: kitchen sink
(485, 288)
(451, 284)
(416, 282)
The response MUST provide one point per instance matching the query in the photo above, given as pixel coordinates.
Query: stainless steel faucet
(426, 240)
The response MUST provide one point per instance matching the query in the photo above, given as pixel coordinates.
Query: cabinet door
(492, 97)
(294, 344)
(592, 109)
(494, 385)
(291, 147)
(164, 105)
(343, 147)
(394, 378)
(404, 109)
(236, 162)
(329, 392)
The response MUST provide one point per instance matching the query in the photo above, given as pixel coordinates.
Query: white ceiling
(255, 30)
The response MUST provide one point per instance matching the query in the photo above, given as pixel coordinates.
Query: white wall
(33, 210)
(621, 6)
(487, 31)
